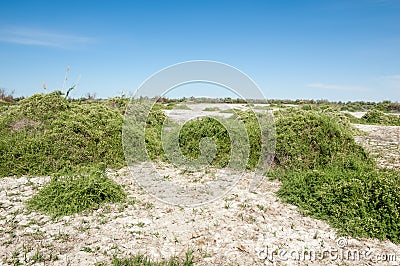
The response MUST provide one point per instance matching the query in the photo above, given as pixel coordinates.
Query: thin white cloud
(337, 87)
(39, 37)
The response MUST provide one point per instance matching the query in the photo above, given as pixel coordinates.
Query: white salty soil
(243, 228)
(383, 142)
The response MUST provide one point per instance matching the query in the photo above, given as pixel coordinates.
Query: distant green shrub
(182, 106)
(154, 125)
(227, 111)
(380, 118)
(254, 131)
(375, 117)
(223, 135)
(211, 109)
(351, 118)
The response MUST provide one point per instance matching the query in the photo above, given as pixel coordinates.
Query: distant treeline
(384, 106)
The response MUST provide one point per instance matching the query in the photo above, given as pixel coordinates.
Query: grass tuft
(66, 195)
(141, 260)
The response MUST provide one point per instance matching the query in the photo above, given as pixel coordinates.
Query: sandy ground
(383, 142)
(241, 228)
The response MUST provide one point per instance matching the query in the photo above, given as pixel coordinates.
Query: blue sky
(335, 50)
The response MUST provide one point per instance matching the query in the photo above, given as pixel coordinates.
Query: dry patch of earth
(383, 142)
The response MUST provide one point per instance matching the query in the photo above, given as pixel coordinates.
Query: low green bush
(360, 203)
(211, 109)
(380, 118)
(195, 130)
(313, 139)
(76, 192)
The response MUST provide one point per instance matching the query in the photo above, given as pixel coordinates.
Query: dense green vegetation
(322, 169)
(45, 134)
(377, 117)
(66, 195)
(330, 177)
(361, 202)
(313, 139)
(195, 130)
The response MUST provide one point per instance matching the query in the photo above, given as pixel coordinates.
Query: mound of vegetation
(377, 117)
(330, 177)
(43, 107)
(313, 139)
(66, 195)
(45, 133)
(230, 140)
(192, 133)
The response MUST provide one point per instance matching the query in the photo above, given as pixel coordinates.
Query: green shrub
(46, 134)
(182, 106)
(66, 195)
(311, 139)
(235, 143)
(154, 125)
(352, 119)
(211, 109)
(87, 134)
(380, 118)
(253, 128)
(361, 203)
(193, 131)
(375, 117)
(330, 177)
